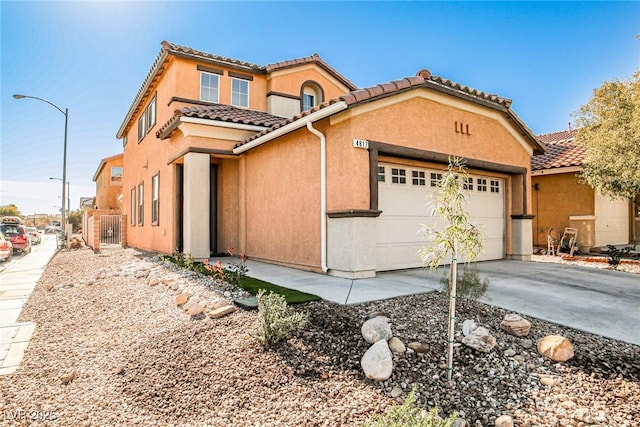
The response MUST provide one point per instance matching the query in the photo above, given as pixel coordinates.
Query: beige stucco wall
(558, 197)
(107, 192)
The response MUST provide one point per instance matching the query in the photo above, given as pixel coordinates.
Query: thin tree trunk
(453, 276)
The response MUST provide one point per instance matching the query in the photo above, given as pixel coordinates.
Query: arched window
(311, 94)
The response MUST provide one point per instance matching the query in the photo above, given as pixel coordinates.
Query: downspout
(323, 194)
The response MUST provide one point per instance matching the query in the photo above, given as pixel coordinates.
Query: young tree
(609, 128)
(457, 237)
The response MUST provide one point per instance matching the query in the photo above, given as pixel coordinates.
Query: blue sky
(91, 57)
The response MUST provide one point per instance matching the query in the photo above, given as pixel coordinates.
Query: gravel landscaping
(111, 347)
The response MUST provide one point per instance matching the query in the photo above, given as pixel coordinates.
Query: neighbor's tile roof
(422, 79)
(561, 151)
(219, 112)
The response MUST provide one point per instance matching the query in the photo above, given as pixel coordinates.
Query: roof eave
(290, 127)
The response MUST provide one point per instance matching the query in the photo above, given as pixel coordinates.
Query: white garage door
(403, 194)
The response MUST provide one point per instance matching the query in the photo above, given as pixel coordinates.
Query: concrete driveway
(599, 301)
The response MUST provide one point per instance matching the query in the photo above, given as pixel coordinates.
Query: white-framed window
(116, 175)
(381, 174)
(418, 178)
(147, 119)
(435, 179)
(155, 198)
(151, 113)
(495, 186)
(398, 176)
(239, 92)
(209, 87)
(142, 126)
(482, 184)
(141, 203)
(132, 212)
(308, 101)
(468, 183)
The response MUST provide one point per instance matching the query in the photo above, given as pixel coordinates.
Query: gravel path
(112, 348)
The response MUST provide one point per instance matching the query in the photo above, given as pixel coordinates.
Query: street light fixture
(68, 193)
(64, 154)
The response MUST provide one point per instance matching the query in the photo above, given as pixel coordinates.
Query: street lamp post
(68, 193)
(64, 155)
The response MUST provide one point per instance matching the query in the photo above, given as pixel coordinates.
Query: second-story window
(209, 87)
(240, 93)
(147, 119)
(116, 175)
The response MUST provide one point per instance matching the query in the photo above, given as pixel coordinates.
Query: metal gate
(110, 226)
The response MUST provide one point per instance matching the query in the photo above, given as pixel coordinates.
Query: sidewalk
(17, 281)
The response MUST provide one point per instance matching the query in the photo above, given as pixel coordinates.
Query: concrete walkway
(602, 302)
(17, 280)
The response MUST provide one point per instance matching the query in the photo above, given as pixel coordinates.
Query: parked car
(34, 235)
(6, 248)
(17, 233)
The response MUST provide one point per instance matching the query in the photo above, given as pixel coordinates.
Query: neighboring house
(561, 200)
(108, 179)
(291, 164)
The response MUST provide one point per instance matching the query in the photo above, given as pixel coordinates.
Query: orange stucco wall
(283, 175)
(107, 192)
(558, 196)
(290, 81)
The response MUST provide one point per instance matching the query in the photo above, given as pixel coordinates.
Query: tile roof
(423, 79)
(561, 151)
(313, 59)
(168, 48)
(218, 112)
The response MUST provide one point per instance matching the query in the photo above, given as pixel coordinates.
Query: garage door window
(495, 186)
(418, 177)
(398, 176)
(482, 184)
(381, 174)
(435, 179)
(468, 184)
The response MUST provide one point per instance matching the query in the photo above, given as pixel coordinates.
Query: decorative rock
(167, 282)
(504, 421)
(218, 302)
(68, 377)
(181, 299)
(396, 346)
(548, 381)
(418, 347)
(186, 306)
(376, 329)
(153, 281)
(556, 348)
(526, 344)
(519, 358)
(222, 311)
(510, 353)
(101, 275)
(516, 325)
(468, 326)
(195, 309)
(582, 414)
(460, 422)
(396, 392)
(377, 362)
(480, 339)
(140, 274)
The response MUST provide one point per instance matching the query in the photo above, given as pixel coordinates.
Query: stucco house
(108, 179)
(290, 163)
(561, 200)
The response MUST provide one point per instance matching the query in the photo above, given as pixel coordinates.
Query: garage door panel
(405, 207)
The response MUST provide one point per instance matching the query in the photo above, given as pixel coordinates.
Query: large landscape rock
(516, 325)
(396, 346)
(556, 348)
(376, 329)
(377, 362)
(480, 339)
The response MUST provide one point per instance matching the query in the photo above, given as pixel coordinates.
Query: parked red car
(13, 230)
(6, 248)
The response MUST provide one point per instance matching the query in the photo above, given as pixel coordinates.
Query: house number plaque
(361, 143)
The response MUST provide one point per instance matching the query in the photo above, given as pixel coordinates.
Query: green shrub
(408, 414)
(468, 286)
(614, 255)
(275, 321)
